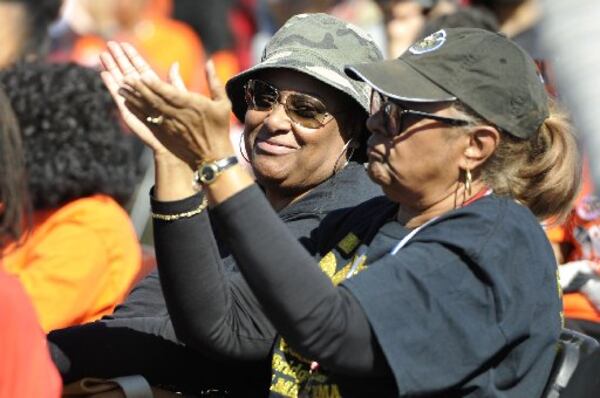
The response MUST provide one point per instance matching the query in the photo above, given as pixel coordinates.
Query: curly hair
(73, 142)
(12, 189)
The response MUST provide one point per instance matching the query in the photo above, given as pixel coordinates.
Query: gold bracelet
(187, 214)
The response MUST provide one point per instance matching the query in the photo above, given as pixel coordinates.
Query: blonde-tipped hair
(543, 172)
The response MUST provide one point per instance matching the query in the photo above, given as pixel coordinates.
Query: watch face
(208, 174)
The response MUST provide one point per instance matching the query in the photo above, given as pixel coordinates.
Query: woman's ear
(483, 141)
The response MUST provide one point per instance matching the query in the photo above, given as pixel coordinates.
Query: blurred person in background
(226, 28)
(462, 17)
(87, 24)
(576, 244)
(24, 29)
(272, 14)
(520, 21)
(568, 31)
(26, 370)
(80, 256)
(404, 20)
(305, 138)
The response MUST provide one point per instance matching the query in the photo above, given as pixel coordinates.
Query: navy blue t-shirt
(470, 306)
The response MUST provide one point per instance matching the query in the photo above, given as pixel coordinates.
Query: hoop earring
(242, 153)
(344, 149)
(468, 181)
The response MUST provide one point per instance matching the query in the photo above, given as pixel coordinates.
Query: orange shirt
(78, 261)
(161, 41)
(26, 370)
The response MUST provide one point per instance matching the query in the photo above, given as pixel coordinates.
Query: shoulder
(96, 217)
(356, 182)
(350, 186)
(490, 219)
(91, 209)
(360, 222)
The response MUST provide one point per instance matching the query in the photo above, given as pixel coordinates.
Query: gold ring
(156, 120)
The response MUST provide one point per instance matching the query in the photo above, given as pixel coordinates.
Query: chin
(268, 171)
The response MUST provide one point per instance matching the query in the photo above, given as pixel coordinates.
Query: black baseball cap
(487, 72)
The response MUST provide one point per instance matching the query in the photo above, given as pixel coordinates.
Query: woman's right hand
(120, 61)
(173, 176)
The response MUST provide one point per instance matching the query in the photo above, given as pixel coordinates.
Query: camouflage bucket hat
(318, 45)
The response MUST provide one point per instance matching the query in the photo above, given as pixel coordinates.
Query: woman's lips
(374, 156)
(273, 147)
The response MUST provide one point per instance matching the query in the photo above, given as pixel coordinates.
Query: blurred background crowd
(85, 237)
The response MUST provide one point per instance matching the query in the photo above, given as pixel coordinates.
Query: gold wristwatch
(208, 172)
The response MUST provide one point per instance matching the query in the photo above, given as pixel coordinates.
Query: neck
(415, 216)
(280, 200)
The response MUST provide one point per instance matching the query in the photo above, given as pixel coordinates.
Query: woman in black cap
(448, 286)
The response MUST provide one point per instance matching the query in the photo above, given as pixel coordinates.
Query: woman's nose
(375, 123)
(277, 119)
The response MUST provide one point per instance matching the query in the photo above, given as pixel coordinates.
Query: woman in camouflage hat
(305, 141)
(445, 287)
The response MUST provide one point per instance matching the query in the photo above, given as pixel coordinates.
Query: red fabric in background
(26, 370)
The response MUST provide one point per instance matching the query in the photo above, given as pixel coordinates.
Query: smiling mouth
(273, 148)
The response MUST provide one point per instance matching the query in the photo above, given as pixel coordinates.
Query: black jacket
(138, 338)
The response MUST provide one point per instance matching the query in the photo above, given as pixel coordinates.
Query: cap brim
(398, 80)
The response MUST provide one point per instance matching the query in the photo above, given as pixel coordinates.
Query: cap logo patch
(429, 44)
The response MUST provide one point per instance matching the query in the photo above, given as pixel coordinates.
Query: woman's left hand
(191, 125)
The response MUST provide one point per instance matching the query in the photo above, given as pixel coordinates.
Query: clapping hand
(120, 61)
(193, 127)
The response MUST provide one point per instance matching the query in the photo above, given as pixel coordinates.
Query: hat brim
(235, 85)
(398, 80)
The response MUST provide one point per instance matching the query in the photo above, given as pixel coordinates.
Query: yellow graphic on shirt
(328, 264)
(349, 243)
(291, 374)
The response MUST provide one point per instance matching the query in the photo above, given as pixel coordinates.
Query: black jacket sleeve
(316, 318)
(211, 309)
(107, 350)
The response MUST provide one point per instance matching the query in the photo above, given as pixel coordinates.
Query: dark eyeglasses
(394, 114)
(303, 109)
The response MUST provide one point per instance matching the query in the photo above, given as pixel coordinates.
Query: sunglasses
(303, 109)
(394, 114)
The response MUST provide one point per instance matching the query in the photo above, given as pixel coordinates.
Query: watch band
(209, 171)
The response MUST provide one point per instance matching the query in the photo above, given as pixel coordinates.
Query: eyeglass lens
(303, 109)
(391, 116)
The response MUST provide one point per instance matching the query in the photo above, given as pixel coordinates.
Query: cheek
(249, 138)
(324, 146)
(252, 124)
